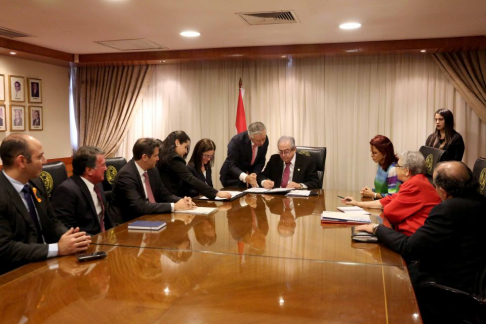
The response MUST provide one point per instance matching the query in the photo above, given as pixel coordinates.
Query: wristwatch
(375, 227)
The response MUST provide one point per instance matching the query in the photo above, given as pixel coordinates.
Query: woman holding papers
(174, 172)
(386, 182)
(445, 137)
(408, 209)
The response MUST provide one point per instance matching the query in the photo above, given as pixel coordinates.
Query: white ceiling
(73, 25)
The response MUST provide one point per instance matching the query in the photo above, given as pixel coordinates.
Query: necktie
(253, 155)
(150, 194)
(27, 193)
(102, 216)
(286, 175)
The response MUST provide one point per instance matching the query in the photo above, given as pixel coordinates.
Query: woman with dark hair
(386, 181)
(445, 137)
(173, 170)
(200, 163)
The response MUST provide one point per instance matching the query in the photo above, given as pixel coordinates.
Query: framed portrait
(17, 88)
(17, 118)
(36, 120)
(2, 88)
(3, 119)
(35, 90)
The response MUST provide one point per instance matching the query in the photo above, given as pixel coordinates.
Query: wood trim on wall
(36, 50)
(68, 161)
(434, 45)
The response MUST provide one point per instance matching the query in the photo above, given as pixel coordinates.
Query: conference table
(257, 259)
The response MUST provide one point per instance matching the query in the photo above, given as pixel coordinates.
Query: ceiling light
(423, 51)
(13, 53)
(189, 33)
(350, 25)
(283, 56)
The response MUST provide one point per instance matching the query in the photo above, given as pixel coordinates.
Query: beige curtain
(105, 100)
(337, 102)
(467, 72)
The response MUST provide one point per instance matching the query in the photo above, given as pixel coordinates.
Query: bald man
(450, 248)
(28, 229)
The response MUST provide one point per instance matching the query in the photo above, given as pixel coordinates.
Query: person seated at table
(138, 190)
(450, 247)
(288, 169)
(173, 169)
(79, 201)
(246, 157)
(386, 181)
(29, 231)
(408, 209)
(445, 137)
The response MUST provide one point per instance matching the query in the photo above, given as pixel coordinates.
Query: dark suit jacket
(36, 122)
(1, 121)
(190, 190)
(74, 206)
(18, 234)
(128, 196)
(304, 171)
(239, 159)
(449, 247)
(176, 173)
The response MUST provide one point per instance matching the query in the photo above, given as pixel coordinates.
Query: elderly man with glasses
(408, 209)
(288, 169)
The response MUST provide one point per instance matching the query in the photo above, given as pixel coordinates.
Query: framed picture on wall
(17, 88)
(2, 88)
(3, 119)
(35, 90)
(36, 120)
(17, 118)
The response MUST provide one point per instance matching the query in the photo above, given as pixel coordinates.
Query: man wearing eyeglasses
(246, 157)
(289, 170)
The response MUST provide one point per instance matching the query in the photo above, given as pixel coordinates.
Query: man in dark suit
(449, 249)
(289, 170)
(246, 157)
(80, 200)
(28, 229)
(36, 118)
(138, 189)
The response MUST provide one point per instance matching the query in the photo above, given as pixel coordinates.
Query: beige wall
(55, 137)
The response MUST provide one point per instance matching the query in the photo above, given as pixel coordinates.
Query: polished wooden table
(259, 259)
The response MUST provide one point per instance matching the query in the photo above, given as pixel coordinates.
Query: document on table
(354, 209)
(198, 211)
(268, 191)
(299, 193)
(234, 194)
(345, 217)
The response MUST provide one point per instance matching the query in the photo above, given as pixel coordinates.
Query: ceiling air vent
(270, 17)
(139, 44)
(5, 32)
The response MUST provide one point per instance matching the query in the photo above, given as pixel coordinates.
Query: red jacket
(408, 209)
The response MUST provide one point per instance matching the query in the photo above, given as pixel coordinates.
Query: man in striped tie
(29, 231)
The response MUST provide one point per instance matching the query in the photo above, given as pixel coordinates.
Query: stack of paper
(329, 217)
(234, 194)
(268, 191)
(198, 211)
(147, 225)
(354, 209)
(299, 193)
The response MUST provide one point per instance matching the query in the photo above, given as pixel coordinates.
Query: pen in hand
(344, 198)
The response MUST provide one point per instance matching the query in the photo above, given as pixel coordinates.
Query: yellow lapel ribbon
(35, 194)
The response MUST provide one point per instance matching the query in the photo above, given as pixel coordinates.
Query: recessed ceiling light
(350, 25)
(13, 53)
(423, 51)
(189, 33)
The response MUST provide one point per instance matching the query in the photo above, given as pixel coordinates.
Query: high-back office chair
(318, 154)
(479, 172)
(432, 156)
(453, 305)
(53, 174)
(113, 166)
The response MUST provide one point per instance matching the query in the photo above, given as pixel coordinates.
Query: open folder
(328, 217)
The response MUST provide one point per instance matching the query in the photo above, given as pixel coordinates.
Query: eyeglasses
(399, 166)
(286, 152)
(207, 156)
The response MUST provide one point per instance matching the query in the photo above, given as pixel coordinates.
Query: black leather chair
(432, 156)
(113, 166)
(442, 304)
(479, 172)
(53, 174)
(318, 154)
